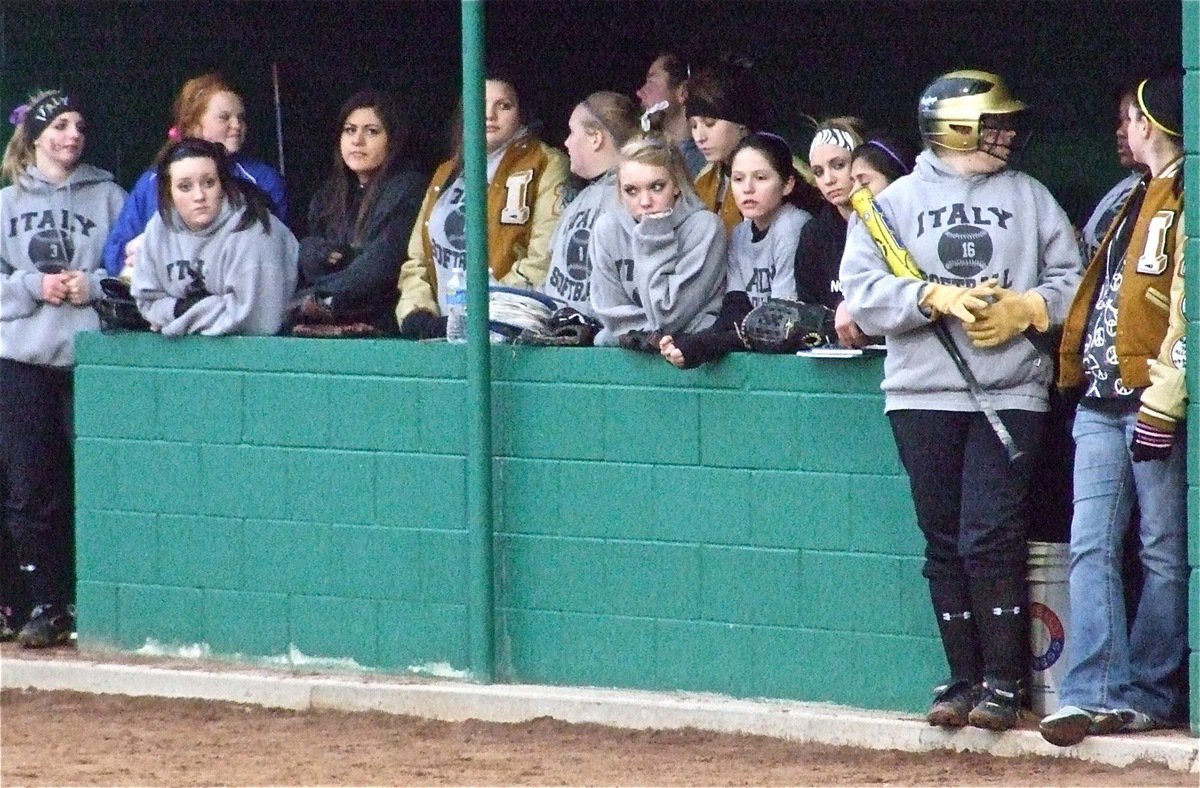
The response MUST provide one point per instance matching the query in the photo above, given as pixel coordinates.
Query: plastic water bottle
(456, 306)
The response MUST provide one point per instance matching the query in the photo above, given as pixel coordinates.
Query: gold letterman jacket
(524, 199)
(1151, 328)
(708, 186)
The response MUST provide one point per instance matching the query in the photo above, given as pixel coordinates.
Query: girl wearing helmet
(1001, 264)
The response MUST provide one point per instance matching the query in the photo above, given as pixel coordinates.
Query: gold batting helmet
(958, 105)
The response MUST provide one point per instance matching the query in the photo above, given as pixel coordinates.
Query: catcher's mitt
(566, 327)
(782, 326)
(117, 309)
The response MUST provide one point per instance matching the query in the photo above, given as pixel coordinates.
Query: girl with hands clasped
(215, 261)
(57, 211)
(658, 266)
(972, 223)
(763, 180)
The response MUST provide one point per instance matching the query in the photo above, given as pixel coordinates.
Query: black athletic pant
(970, 499)
(36, 476)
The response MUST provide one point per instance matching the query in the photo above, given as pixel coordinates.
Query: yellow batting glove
(1008, 315)
(962, 302)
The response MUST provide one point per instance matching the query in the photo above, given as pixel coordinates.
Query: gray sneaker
(1137, 722)
(1067, 726)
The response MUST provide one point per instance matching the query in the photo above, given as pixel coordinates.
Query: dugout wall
(258, 494)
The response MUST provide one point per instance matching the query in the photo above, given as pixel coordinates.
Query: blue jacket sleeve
(139, 207)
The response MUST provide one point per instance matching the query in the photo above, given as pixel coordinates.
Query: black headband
(43, 112)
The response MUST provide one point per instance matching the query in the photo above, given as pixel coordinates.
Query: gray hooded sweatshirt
(569, 278)
(661, 274)
(962, 230)
(250, 274)
(47, 225)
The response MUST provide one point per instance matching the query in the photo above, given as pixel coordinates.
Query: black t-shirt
(818, 258)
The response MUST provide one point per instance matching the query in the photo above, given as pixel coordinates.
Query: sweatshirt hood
(34, 180)
(687, 204)
(933, 169)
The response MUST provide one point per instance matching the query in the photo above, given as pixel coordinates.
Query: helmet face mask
(1005, 136)
(973, 110)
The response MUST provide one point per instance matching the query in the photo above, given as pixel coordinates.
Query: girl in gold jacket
(526, 181)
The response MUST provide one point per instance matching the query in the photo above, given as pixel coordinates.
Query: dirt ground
(69, 738)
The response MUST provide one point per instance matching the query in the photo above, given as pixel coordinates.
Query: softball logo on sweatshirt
(965, 246)
(570, 281)
(50, 231)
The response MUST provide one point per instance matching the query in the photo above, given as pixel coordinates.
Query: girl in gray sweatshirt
(215, 261)
(1001, 265)
(659, 264)
(54, 218)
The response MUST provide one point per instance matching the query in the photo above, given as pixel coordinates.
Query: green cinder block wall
(742, 529)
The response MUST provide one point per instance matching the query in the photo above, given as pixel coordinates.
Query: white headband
(838, 137)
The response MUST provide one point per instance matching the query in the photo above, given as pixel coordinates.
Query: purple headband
(903, 167)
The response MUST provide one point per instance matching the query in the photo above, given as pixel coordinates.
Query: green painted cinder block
(741, 585)
(419, 491)
(726, 418)
(145, 476)
(526, 496)
(703, 505)
(552, 573)
(116, 547)
(804, 510)
(289, 557)
(444, 417)
(243, 481)
(168, 616)
(368, 562)
(1191, 43)
(573, 648)
(246, 623)
(651, 425)
(442, 565)
(96, 617)
(201, 407)
(330, 486)
(201, 552)
(860, 375)
(703, 657)
(421, 636)
(106, 411)
(862, 593)
(650, 579)
(606, 500)
(335, 627)
(880, 517)
(290, 410)
(844, 434)
(378, 414)
(548, 420)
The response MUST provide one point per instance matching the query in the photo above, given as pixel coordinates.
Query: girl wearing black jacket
(359, 223)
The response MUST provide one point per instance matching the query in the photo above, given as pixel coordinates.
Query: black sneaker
(951, 704)
(49, 626)
(998, 707)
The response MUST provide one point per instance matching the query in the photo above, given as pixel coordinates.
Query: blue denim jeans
(1109, 669)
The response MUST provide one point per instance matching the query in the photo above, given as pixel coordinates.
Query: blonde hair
(612, 113)
(20, 153)
(656, 151)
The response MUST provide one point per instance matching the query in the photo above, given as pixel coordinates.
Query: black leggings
(36, 476)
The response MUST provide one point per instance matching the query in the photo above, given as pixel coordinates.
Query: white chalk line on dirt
(636, 709)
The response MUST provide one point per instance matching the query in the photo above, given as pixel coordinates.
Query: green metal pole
(479, 394)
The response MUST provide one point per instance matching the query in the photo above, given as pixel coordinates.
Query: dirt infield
(69, 738)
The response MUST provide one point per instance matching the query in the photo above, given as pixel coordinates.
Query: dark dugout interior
(815, 58)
